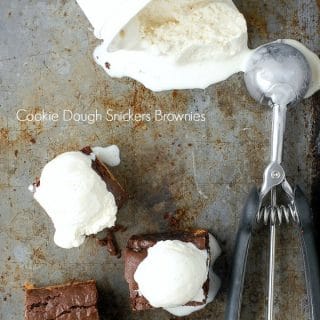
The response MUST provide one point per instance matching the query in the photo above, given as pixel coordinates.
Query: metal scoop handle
(311, 262)
(240, 257)
(308, 243)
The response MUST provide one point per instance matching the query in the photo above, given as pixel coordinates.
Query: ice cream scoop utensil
(278, 75)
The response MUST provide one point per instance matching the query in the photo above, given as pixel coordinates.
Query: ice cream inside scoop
(173, 274)
(76, 198)
(313, 61)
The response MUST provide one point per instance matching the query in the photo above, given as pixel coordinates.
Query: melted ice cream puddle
(178, 265)
(75, 196)
(109, 155)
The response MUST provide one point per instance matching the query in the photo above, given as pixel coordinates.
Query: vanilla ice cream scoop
(173, 274)
(182, 269)
(75, 197)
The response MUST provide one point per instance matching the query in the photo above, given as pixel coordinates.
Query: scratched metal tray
(200, 171)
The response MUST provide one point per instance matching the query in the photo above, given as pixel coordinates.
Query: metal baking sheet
(201, 171)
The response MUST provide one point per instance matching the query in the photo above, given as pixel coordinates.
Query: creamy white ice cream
(75, 196)
(173, 274)
(170, 44)
(188, 30)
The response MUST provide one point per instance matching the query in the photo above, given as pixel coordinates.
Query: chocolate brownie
(112, 184)
(137, 250)
(71, 301)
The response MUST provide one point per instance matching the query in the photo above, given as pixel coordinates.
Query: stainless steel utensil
(277, 75)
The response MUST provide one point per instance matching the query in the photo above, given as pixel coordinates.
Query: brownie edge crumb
(109, 241)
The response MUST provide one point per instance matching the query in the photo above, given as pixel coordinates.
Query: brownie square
(137, 250)
(113, 185)
(71, 301)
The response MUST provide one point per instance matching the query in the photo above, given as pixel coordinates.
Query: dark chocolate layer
(113, 185)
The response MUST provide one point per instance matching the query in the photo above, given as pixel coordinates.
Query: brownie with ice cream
(80, 194)
(171, 271)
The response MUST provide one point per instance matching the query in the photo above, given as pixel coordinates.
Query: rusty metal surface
(200, 171)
